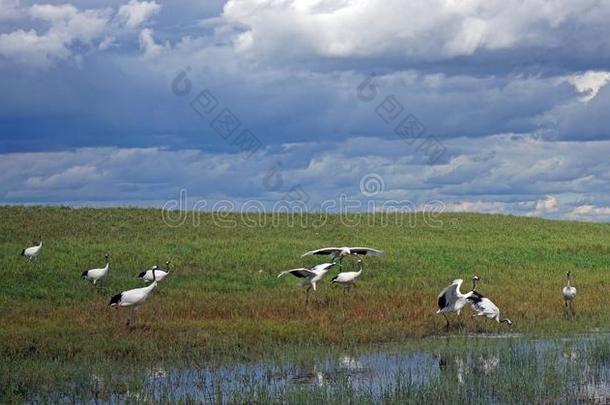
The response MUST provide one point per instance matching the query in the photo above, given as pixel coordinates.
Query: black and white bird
(341, 252)
(310, 276)
(451, 298)
(348, 279)
(133, 298)
(32, 251)
(97, 274)
(569, 293)
(147, 275)
(483, 306)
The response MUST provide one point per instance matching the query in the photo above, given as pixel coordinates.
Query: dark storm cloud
(87, 82)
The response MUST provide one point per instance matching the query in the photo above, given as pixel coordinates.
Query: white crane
(569, 293)
(483, 306)
(97, 274)
(341, 252)
(310, 276)
(133, 298)
(32, 251)
(452, 300)
(348, 279)
(147, 275)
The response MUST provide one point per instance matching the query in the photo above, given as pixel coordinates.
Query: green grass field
(224, 300)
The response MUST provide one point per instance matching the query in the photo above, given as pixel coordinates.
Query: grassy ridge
(224, 297)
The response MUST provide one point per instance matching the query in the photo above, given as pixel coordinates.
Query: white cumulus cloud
(421, 29)
(589, 83)
(548, 204)
(68, 26)
(136, 13)
(148, 44)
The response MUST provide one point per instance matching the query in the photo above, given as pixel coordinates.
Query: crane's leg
(132, 316)
(307, 295)
(446, 320)
(572, 308)
(460, 321)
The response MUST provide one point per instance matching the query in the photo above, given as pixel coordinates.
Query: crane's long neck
(466, 295)
(360, 267)
(151, 287)
(569, 281)
(474, 284)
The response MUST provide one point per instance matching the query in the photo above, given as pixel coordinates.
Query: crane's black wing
(300, 272)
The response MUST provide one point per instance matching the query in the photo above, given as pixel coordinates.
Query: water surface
(477, 368)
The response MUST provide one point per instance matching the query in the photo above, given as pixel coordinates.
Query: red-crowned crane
(32, 251)
(341, 252)
(569, 293)
(310, 276)
(452, 300)
(147, 275)
(348, 279)
(97, 274)
(133, 298)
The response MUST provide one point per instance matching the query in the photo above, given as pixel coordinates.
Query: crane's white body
(97, 274)
(132, 298)
(148, 276)
(135, 297)
(32, 251)
(310, 276)
(451, 298)
(347, 279)
(569, 292)
(483, 306)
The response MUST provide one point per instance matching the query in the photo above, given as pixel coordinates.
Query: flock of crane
(450, 300)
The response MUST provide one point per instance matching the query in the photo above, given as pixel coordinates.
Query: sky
(481, 105)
